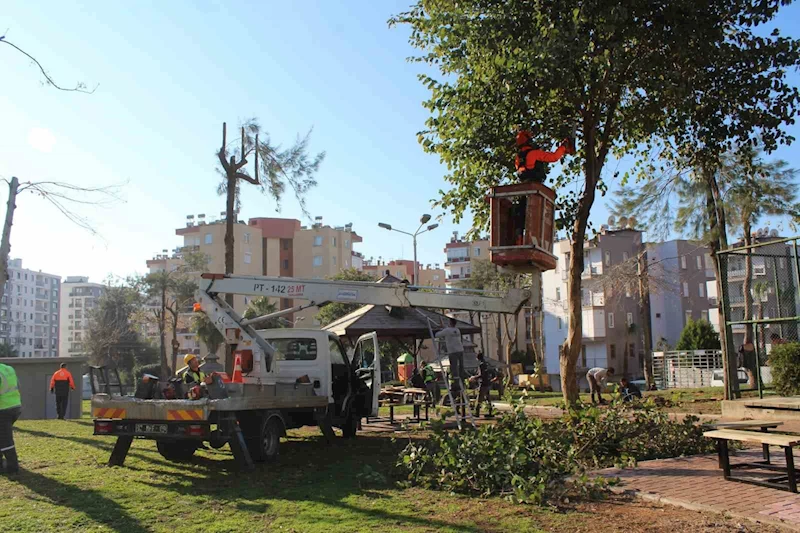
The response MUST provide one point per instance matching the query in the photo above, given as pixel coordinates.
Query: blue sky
(169, 74)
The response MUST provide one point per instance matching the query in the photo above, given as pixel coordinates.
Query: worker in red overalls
(531, 164)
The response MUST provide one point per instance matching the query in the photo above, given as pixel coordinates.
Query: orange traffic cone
(237, 370)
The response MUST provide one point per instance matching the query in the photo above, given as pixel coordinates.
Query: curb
(655, 498)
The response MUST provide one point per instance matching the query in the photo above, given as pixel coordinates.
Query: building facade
(78, 299)
(459, 253)
(610, 311)
(29, 313)
(679, 272)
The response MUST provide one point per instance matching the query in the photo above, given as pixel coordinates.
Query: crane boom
(391, 294)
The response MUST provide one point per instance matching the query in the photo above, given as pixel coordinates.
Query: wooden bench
(766, 439)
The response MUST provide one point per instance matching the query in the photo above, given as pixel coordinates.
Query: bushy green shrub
(530, 460)
(784, 362)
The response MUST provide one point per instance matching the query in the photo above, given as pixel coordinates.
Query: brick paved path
(697, 483)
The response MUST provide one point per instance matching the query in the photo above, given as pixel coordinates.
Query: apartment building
(78, 299)
(679, 272)
(29, 312)
(459, 253)
(432, 276)
(610, 312)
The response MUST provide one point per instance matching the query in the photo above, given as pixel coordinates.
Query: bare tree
(80, 87)
(64, 196)
(273, 168)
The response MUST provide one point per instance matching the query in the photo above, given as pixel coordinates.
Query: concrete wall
(34, 385)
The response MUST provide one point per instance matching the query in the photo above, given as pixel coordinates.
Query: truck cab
(350, 380)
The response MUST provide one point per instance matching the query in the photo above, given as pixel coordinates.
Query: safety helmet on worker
(188, 357)
(523, 137)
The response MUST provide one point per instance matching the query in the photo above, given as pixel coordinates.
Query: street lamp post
(424, 219)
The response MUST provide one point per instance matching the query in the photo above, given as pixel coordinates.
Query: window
(285, 264)
(701, 291)
(608, 258)
(658, 315)
(629, 319)
(683, 262)
(246, 238)
(625, 256)
(317, 260)
(347, 243)
(337, 355)
(612, 352)
(248, 258)
(558, 294)
(583, 355)
(611, 320)
(333, 241)
(688, 315)
(685, 288)
(699, 260)
(285, 243)
(208, 238)
(560, 323)
(318, 240)
(295, 349)
(477, 252)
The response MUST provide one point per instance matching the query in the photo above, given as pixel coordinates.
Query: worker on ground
(628, 390)
(10, 409)
(60, 385)
(597, 378)
(429, 381)
(455, 349)
(194, 376)
(485, 377)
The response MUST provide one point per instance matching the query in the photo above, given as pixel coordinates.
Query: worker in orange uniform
(60, 384)
(531, 168)
(530, 160)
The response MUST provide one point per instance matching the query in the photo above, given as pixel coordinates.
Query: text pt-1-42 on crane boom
(366, 293)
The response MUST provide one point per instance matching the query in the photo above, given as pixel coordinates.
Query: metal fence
(760, 300)
(687, 369)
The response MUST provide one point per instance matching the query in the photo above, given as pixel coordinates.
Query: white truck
(291, 377)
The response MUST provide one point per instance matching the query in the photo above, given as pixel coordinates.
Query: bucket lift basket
(522, 246)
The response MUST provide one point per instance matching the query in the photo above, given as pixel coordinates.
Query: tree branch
(79, 87)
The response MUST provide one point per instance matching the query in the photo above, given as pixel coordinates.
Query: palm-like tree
(263, 306)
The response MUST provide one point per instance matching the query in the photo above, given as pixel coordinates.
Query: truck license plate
(151, 428)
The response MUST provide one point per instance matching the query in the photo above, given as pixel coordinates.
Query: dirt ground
(626, 515)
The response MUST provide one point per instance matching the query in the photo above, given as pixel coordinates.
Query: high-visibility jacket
(194, 377)
(530, 162)
(9, 388)
(61, 380)
(428, 374)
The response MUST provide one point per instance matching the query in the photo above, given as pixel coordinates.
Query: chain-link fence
(760, 302)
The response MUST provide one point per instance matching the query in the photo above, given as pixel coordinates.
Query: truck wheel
(176, 451)
(265, 447)
(350, 426)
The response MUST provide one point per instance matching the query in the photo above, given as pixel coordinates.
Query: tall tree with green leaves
(621, 73)
(698, 335)
(263, 306)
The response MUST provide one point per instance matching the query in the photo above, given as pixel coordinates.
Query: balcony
(460, 259)
(188, 249)
(456, 277)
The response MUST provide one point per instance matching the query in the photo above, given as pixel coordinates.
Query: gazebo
(405, 325)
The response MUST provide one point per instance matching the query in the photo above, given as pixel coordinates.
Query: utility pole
(5, 244)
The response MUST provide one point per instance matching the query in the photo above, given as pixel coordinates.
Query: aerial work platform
(522, 227)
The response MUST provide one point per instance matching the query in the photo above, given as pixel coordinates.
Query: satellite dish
(773, 233)
(623, 221)
(632, 222)
(611, 221)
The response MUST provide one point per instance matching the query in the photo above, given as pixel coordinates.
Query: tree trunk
(499, 334)
(572, 347)
(230, 215)
(174, 341)
(5, 245)
(718, 241)
(644, 318)
(748, 281)
(162, 326)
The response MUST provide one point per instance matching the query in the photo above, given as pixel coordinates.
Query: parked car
(717, 377)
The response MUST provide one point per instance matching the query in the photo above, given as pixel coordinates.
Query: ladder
(463, 397)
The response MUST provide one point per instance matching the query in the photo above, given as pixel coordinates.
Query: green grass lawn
(66, 486)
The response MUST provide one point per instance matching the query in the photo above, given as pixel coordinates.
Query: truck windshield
(295, 349)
